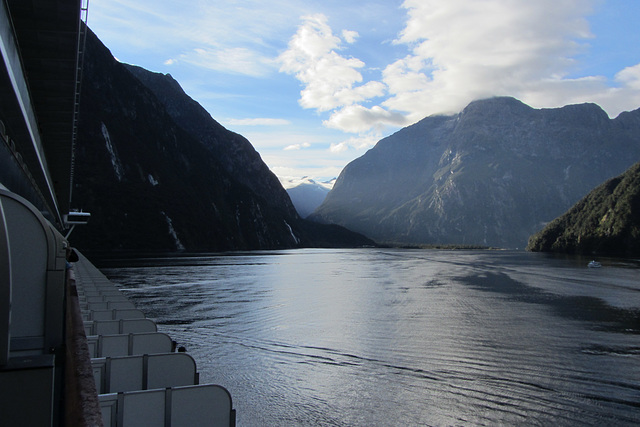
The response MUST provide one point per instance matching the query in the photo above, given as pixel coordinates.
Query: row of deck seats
(140, 380)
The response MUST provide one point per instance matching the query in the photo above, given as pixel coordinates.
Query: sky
(315, 84)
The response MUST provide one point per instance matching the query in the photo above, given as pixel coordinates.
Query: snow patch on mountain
(292, 182)
(306, 193)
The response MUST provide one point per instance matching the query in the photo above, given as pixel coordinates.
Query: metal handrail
(82, 42)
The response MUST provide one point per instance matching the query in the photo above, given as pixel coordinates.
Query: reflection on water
(403, 337)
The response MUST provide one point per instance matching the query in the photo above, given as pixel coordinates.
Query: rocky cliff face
(491, 175)
(158, 173)
(605, 222)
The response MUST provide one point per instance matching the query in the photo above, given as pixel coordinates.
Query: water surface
(403, 337)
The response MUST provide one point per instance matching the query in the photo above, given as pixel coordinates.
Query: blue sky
(313, 84)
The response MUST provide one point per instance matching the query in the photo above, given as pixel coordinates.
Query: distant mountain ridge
(605, 222)
(491, 175)
(307, 194)
(158, 174)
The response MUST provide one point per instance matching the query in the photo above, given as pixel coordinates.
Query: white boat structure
(594, 264)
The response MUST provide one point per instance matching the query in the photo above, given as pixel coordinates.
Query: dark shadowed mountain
(158, 173)
(491, 175)
(235, 152)
(605, 222)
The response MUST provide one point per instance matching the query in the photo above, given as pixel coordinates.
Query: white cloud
(339, 147)
(461, 51)
(297, 146)
(457, 51)
(350, 36)
(258, 122)
(359, 143)
(170, 61)
(330, 79)
(359, 119)
(630, 77)
(468, 50)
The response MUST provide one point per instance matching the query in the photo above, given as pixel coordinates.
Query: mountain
(158, 173)
(605, 222)
(491, 175)
(307, 194)
(235, 152)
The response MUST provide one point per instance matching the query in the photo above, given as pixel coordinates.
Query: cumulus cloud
(330, 80)
(458, 51)
(455, 52)
(360, 119)
(461, 51)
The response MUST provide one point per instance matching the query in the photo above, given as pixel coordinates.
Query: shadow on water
(581, 308)
(180, 259)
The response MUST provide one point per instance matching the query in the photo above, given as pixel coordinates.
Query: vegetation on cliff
(605, 222)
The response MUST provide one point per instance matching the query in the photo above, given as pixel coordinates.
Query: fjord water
(379, 337)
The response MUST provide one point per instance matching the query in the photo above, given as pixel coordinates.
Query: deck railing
(138, 375)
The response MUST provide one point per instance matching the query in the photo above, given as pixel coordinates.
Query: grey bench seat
(201, 405)
(143, 372)
(129, 344)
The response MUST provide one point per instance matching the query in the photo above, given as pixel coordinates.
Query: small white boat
(594, 264)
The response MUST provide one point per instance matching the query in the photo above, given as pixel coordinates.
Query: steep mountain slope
(605, 222)
(491, 175)
(158, 174)
(235, 152)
